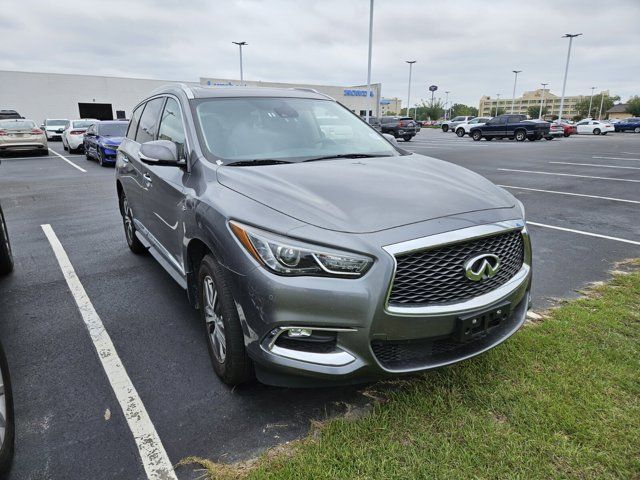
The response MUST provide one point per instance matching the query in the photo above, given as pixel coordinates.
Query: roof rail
(183, 86)
(312, 90)
(187, 91)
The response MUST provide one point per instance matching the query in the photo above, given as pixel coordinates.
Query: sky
(467, 47)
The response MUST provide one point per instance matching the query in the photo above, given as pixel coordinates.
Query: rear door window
(133, 124)
(148, 126)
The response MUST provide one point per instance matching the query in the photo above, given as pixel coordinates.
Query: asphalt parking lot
(582, 196)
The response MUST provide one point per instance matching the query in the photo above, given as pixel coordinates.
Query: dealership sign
(433, 88)
(357, 93)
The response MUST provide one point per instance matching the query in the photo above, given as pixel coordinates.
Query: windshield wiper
(250, 163)
(345, 155)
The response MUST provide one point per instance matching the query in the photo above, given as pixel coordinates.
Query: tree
(462, 109)
(633, 106)
(534, 111)
(430, 111)
(582, 107)
(500, 111)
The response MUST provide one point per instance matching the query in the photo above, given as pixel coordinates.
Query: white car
(463, 128)
(73, 134)
(594, 127)
(450, 125)
(53, 127)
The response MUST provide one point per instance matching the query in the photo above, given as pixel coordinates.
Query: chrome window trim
(452, 237)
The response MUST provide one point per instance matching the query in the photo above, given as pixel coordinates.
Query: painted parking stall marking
(582, 232)
(155, 460)
(569, 175)
(612, 199)
(596, 165)
(68, 161)
(618, 158)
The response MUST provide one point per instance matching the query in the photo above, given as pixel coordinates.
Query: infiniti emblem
(481, 267)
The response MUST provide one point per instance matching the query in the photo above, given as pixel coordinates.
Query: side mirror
(160, 152)
(391, 139)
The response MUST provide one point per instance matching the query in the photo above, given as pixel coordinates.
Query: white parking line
(569, 175)
(154, 457)
(571, 194)
(596, 165)
(68, 161)
(631, 153)
(582, 232)
(618, 158)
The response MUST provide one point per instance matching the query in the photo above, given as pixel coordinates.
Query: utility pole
(410, 62)
(544, 86)
(570, 36)
(601, 103)
(590, 102)
(497, 103)
(368, 102)
(446, 106)
(241, 44)
(513, 98)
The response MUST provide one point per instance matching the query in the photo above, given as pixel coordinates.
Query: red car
(569, 129)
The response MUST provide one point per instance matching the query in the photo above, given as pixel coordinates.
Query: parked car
(628, 124)
(450, 125)
(22, 135)
(9, 115)
(399, 127)
(555, 130)
(312, 259)
(375, 123)
(7, 426)
(73, 134)
(568, 129)
(418, 125)
(102, 139)
(511, 126)
(594, 127)
(463, 128)
(54, 128)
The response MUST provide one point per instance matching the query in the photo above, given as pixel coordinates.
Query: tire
(219, 315)
(101, 158)
(460, 132)
(520, 135)
(548, 138)
(135, 245)
(488, 139)
(636, 130)
(86, 153)
(565, 135)
(407, 138)
(596, 131)
(64, 147)
(604, 133)
(6, 255)
(6, 448)
(476, 135)
(445, 128)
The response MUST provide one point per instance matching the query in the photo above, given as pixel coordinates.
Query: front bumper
(75, 141)
(53, 135)
(364, 325)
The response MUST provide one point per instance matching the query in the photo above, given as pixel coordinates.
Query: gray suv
(314, 249)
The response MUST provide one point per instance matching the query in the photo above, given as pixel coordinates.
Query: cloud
(467, 47)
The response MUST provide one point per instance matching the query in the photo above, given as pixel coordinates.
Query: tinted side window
(171, 127)
(148, 125)
(133, 124)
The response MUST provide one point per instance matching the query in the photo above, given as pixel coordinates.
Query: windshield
(55, 123)
(19, 125)
(83, 124)
(287, 129)
(113, 129)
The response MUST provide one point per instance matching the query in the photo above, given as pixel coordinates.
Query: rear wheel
(135, 245)
(224, 332)
(521, 135)
(565, 135)
(6, 256)
(445, 128)
(476, 135)
(460, 132)
(636, 130)
(596, 131)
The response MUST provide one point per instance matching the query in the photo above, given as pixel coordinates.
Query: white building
(53, 95)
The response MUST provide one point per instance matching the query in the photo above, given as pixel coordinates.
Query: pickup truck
(511, 126)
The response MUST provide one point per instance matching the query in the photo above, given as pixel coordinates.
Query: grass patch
(561, 399)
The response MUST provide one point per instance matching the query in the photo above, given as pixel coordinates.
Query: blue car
(629, 124)
(102, 139)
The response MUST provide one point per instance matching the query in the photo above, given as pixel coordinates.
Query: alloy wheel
(128, 220)
(214, 320)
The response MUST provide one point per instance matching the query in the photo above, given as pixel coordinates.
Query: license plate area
(474, 325)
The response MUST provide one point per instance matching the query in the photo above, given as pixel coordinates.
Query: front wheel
(101, 161)
(135, 245)
(477, 135)
(521, 136)
(596, 131)
(6, 256)
(225, 338)
(445, 128)
(407, 138)
(460, 132)
(636, 130)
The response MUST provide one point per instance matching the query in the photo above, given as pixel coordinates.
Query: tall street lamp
(570, 36)
(590, 102)
(241, 44)
(410, 62)
(368, 102)
(544, 87)
(601, 104)
(497, 103)
(513, 98)
(446, 105)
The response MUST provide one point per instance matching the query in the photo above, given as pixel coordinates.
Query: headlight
(522, 209)
(286, 256)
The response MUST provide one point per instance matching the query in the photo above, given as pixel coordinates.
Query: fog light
(299, 332)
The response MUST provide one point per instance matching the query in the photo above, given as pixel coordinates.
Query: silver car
(22, 135)
(315, 250)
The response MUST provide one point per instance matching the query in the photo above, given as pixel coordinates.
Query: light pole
(368, 102)
(570, 36)
(497, 103)
(544, 87)
(601, 103)
(410, 62)
(590, 102)
(513, 98)
(446, 105)
(240, 45)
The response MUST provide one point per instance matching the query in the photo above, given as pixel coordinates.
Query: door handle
(147, 179)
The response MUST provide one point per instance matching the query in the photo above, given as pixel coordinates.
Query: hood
(115, 141)
(366, 195)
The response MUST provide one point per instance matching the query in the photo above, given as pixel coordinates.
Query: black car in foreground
(399, 127)
(511, 126)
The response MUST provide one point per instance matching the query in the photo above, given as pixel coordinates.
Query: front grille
(436, 276)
